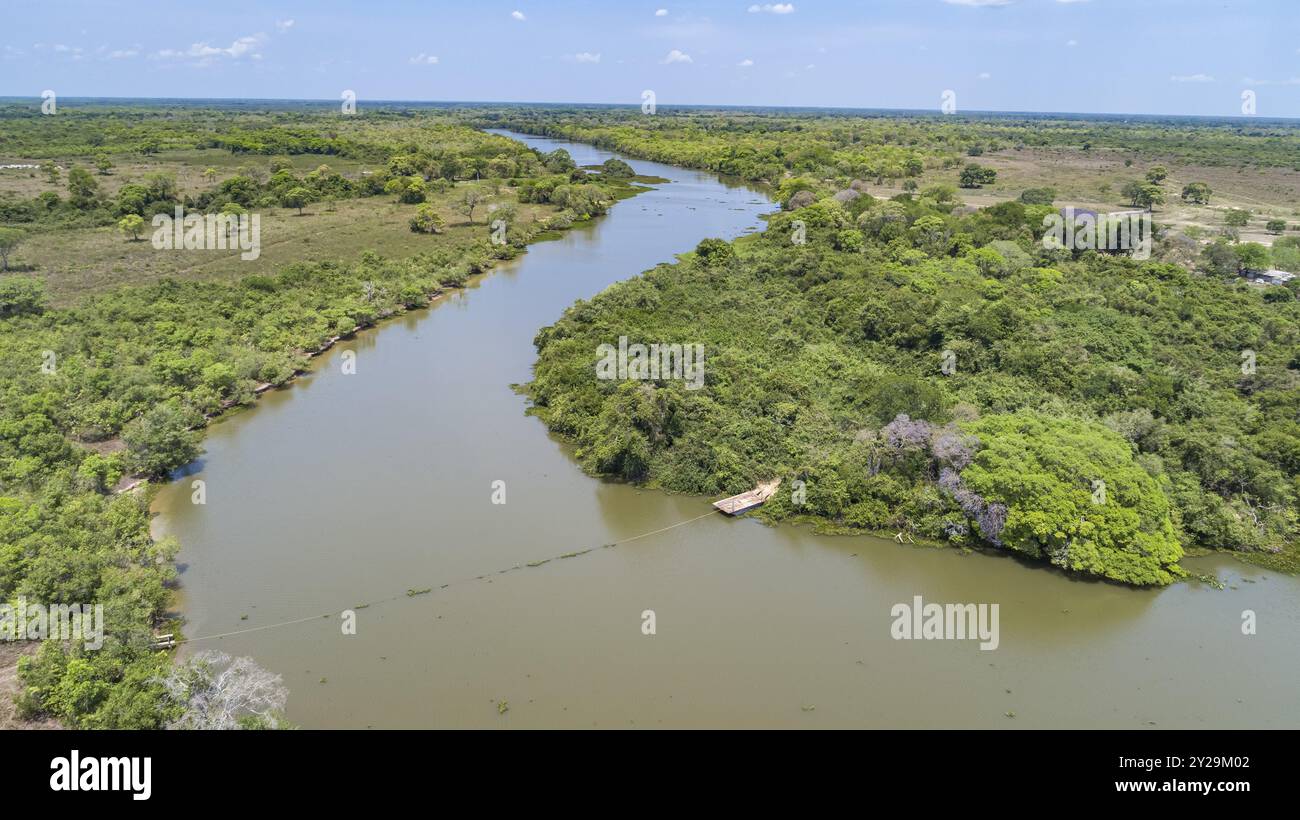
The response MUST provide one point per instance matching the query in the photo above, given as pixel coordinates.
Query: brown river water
(345, 489)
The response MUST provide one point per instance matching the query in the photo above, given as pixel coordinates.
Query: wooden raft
(738, 504)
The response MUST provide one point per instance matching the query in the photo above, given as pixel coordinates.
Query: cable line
(412, 593)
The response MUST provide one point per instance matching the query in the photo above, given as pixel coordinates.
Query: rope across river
(412, 593)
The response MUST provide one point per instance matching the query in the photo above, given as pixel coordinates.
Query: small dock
(164, 641)
(738, 504)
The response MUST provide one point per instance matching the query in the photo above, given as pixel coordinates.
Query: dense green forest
(925, 369)
(122, 383)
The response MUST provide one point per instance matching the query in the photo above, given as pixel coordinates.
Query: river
(351, 488)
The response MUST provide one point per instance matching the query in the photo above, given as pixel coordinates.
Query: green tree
(615, 168)
(1157, 175)
(160, 441)
(296, 198)
(1236, 218)
(1143, 194)
(83, 189)
(974, 176)
(9, 239)
(712, 253)
(989, 261)
(1038, 196)
(559, 161)
(232, 213)
(1276, 226)
(131, 225)
(410, 190)
(427, 220)
(942, 193)
(240, 189)
(1074, 496)
(849, 240)
(1218, 258)
(100, 472)
(21, 295)
(1196, 193)
(1252, 256)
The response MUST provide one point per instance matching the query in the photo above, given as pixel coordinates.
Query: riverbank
(228, 408)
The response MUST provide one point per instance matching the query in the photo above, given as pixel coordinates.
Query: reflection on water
(343, 490)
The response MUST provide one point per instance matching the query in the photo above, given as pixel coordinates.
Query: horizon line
(634, 105)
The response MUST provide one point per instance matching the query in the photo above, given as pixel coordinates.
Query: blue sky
(1120, 56)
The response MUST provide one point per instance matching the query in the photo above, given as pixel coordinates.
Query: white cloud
(979, 3)
(518, 15)
(424, 59)
(745, 63)
(661, 12)
(243, 47)
(123, 54)
(984, 75)
(1191, 78)
(772, 8)
(677, 56)
(586, 57)
(1071, 43)
(284, 25)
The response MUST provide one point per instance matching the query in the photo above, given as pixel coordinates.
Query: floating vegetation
(1210, 580)
(411, 593)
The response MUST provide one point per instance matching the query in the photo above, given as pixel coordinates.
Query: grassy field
(78, 261)
(1094, 180)
(187, 166)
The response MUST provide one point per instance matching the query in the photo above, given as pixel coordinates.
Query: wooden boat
(737, 504)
